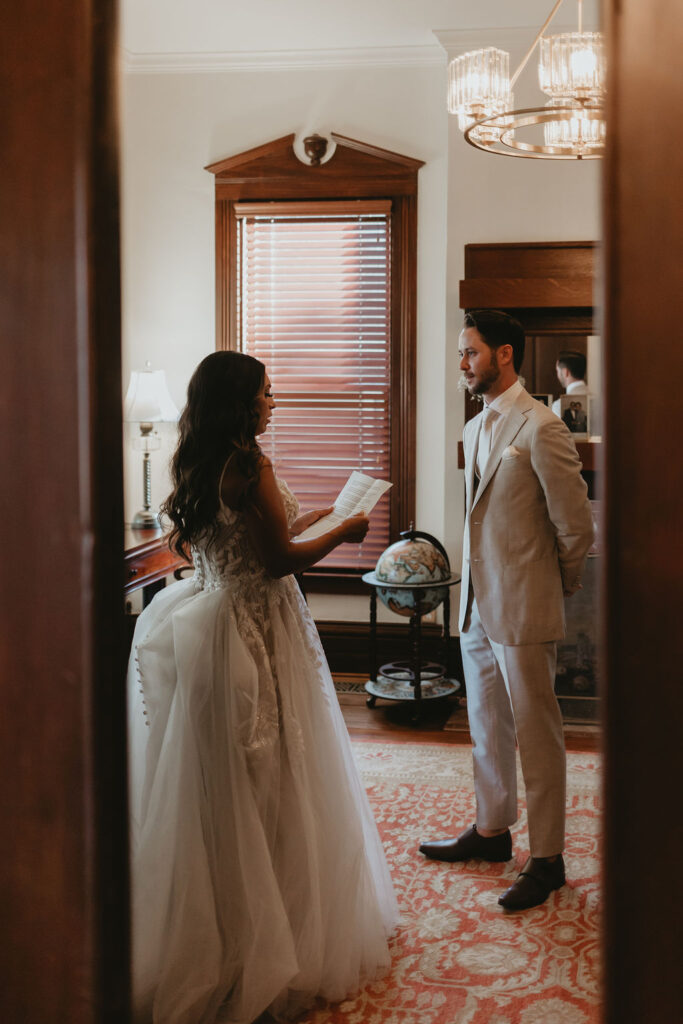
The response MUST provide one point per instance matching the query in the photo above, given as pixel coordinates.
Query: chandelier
(571, 73)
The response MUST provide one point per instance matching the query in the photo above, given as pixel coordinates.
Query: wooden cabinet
(548, 286)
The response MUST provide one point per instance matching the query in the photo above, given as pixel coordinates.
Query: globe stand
(411, 680)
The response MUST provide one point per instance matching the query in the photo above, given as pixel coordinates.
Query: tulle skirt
(259, 880)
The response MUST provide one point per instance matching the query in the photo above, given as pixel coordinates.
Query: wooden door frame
(62, 731)
(63, 835)
(643, 550)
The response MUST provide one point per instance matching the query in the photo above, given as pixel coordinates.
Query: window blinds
(314, 305)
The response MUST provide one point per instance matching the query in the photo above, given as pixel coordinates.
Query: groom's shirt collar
(503, 403)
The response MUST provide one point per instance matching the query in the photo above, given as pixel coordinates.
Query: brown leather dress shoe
(537, 879)
(470, 846)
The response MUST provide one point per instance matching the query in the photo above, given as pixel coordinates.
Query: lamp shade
(148, 399)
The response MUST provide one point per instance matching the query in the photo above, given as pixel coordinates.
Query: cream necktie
(485, 439)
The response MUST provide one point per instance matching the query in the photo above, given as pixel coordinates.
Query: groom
(528, 528)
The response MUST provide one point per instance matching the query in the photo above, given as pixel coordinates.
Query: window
(346, 396)
(314, 304)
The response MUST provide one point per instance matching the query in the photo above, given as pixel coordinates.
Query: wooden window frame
(356, 170)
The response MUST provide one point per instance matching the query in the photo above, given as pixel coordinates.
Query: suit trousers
(511, 693)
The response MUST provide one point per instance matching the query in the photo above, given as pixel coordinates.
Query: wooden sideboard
(148, 561)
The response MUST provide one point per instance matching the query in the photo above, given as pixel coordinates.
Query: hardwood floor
(443, 721)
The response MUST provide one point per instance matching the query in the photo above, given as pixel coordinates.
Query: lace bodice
(228, 559)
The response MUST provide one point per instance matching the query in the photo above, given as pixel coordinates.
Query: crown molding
(457, 41)
(431, 55)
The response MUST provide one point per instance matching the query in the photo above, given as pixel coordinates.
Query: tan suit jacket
(528, 525)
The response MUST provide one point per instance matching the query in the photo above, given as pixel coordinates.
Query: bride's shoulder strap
(221, 479)
(235, 492)
(227, 463)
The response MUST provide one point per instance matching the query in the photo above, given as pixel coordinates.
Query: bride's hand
(307, 519)
(355, 528)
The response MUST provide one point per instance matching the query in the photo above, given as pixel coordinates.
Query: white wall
(174, 124)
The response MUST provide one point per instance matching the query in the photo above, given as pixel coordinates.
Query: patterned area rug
(458, 958)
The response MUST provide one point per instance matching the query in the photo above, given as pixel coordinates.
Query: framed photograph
(546, 399)
(594, 417)
(574, 412)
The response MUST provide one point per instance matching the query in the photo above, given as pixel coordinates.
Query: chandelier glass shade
(582, 132)
(572, 66)
(571, 73)
(479, 87)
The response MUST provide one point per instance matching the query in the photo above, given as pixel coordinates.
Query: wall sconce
(148, 402)
(315, 148)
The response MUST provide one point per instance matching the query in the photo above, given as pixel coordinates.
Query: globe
(412, 560)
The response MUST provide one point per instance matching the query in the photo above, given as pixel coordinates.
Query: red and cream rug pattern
(458, 958)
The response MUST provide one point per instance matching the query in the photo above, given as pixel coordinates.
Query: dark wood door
(62, 751)
(643, 542)
(63, 843)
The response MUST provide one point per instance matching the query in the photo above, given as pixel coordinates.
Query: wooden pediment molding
(249, 161)
(273, 171)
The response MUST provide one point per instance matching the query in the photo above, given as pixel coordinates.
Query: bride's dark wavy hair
(219, 420)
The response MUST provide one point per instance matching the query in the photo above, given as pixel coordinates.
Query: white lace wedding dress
(259, 880)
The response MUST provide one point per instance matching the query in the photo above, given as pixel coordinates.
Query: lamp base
(146, 520)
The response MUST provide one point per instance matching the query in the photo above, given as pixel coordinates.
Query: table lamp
(148, 402)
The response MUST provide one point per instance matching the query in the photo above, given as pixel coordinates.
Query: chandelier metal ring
(571, 73)
(528, 117)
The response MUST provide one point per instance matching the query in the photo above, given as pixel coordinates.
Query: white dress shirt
(495, 412)
(489, 416)
(575, 387)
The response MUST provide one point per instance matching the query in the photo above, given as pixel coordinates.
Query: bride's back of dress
(226, 557)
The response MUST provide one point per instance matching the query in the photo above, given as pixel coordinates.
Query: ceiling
(276, 26)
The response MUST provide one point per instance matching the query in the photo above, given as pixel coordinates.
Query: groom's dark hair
(497, 328)
(575, 362)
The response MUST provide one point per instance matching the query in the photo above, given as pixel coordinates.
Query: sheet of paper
(360, 493)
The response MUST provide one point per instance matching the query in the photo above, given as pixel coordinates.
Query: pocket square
(511, 452)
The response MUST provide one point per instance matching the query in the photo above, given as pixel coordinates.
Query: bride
(259, 880)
